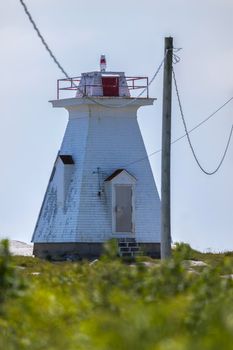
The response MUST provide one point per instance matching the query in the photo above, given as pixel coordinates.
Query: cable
(185, 135)
(42, 39)
(204, 121)
(188, 137)
(66, 74)
(176, 59)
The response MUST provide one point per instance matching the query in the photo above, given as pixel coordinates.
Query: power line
(67, 75)
(188, 132)
(188, 137)
(42, 39)
(176, 60)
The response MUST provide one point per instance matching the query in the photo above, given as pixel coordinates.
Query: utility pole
(166, 152)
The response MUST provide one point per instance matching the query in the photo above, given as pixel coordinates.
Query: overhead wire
(188, 132)
(42, 39)
(131, 101)
(176, 59)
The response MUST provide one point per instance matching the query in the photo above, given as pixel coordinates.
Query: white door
(123, 208)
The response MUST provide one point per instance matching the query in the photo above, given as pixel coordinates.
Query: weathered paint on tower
(98, 190)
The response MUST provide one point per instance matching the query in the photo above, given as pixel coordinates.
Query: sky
(131, 35)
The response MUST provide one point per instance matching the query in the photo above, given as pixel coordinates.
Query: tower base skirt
(84, 250)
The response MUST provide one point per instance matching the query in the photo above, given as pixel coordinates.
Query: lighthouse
(101, 186)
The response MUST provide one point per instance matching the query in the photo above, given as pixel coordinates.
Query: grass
(29, 265)
(116, 305)
(212, 259)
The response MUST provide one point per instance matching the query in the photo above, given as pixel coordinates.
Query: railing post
(57, 89)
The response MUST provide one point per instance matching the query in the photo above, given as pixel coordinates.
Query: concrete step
(133, 244)
(122, 244)
(127, 239)
(125, 249)
(128, 247)
(134, 249)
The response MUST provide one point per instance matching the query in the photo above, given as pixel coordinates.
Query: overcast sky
(131, 34)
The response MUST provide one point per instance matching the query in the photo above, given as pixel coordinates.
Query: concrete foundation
(78, 251)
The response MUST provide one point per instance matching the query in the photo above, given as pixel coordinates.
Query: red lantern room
(103, 83)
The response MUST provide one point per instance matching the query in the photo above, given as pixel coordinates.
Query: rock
(197, 263)
(94, 262)
(20, 248)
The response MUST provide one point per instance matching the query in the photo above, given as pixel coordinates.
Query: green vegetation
(113, 305)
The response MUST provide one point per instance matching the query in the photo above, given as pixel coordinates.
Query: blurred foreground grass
(115, 305)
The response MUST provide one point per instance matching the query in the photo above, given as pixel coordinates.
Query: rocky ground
(20, 248)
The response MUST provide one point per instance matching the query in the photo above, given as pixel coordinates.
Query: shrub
(113, 305)
(10, 282)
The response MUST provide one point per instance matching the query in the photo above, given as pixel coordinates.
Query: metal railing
(71, 84)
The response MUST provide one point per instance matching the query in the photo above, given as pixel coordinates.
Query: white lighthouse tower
(101, 186)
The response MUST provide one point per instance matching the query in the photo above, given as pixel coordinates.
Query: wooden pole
(166, 152)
